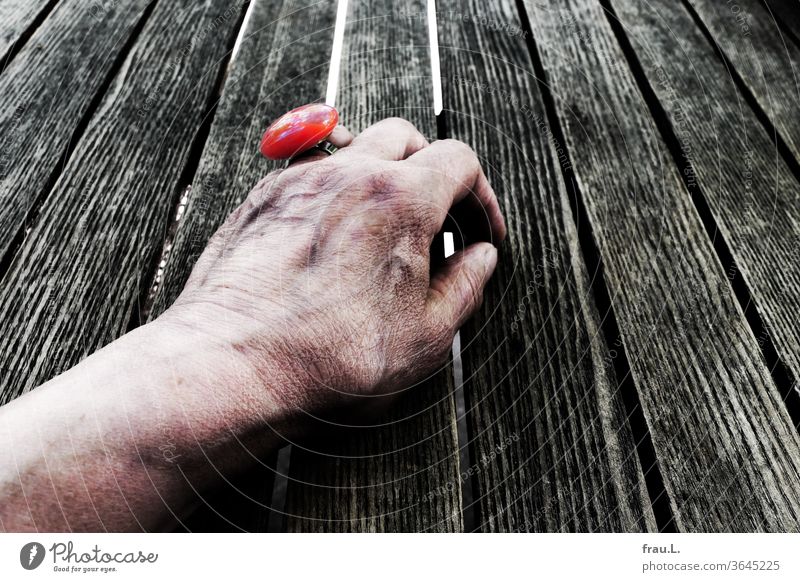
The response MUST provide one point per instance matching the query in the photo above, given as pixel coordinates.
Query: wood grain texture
(16, 19)
(47, 91)
(767, 61)
(403, 476)
(728, 453)
(77, 277)
(752, 193)
(552, 448)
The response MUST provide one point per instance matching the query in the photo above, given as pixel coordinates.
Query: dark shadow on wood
(240, 503)
(778, 14)
(465, 438)
(608, 324)
(777, 368)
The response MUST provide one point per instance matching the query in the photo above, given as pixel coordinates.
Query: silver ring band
(327, 147)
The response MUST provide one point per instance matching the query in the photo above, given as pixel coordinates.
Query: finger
(390, 139)
(456, 290)
(452, 174)
(339, 137)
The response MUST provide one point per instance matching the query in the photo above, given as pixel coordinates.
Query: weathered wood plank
(17, 18)
(74, 283)
(752, 193)
(728, 453)
(403, 476)
(48, 90)
(552, 447)
(767, 61)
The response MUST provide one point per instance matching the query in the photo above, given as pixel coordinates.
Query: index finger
(454, 174)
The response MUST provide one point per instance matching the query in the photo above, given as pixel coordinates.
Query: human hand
(322, 278)
(316, 296)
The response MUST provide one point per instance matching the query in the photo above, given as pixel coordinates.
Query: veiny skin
(314, 303)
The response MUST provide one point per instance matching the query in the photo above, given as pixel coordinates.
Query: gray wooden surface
(767, 61)
(74, 54)
(727, 449)
(404, 475)
(629, 368)
(751, 191)
(19, 18)
(540, 387)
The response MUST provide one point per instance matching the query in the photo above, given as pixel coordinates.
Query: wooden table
(636, 363)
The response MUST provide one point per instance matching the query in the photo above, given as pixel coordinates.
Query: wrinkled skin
(333, 254)
(316, 302)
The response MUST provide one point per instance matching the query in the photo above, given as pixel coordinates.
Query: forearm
(120, 441)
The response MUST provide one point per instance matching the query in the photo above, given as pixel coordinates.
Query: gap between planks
(16, 46)
(75, 138)
(659, 498)
(777, 368)
(468, 509)
(147, 295)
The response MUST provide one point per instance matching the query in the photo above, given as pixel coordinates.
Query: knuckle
(407, 130)
(401, 123)
(461, 150)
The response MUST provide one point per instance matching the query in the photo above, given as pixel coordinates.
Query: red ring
(298, 130)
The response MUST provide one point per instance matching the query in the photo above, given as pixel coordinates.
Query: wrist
(232, 392)
(278, 375)
(157, 415)
(168, 400)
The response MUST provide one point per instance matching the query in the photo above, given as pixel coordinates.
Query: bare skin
(314, 304)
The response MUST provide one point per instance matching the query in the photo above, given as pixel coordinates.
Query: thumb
(456, 290)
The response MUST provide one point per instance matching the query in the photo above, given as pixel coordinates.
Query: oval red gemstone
(298, 130)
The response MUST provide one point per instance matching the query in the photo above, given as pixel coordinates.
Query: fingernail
(490, 257)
